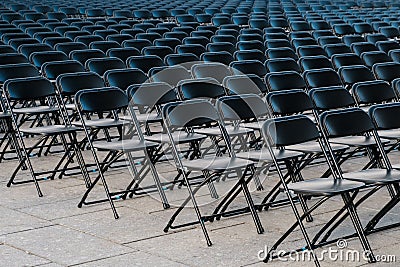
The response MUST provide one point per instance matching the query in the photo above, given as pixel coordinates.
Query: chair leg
(358, 227)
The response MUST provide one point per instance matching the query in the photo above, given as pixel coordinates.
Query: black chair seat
(313, 147)
(232, 131)
(265, 156)
(374, 176)
(179, 137)
(101, 123)
(49, 130)
(36, 110)
(125, 145)
(216, 164)
(324, 187)
(356, 141)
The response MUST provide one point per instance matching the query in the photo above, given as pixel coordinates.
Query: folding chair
(371, 58)
(298, 129)
(112, 100)
(49, 124)
(66, 48)
(333, 125)
(192, 115)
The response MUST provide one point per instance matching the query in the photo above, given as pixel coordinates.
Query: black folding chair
(112, 100)
(298, 129)
(41, 103)
(191, 115)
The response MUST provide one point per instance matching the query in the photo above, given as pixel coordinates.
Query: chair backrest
(123, 78)
(101, 99)
(22, 70)
(189, 114)
(151, 94)
(345, 122)
(387, 71)
(282, 64)
(83, 55)
(287, 80)
(373, 57)
(314, 62)
(55, 68)
(322, 78)
(28, 88)
(12, 58)
(39, 58)
(372, 92)
(144, 63)
(201, 88)
(249, 67)
(342, 60)
(289, 102)
(354, 74)
(385, 116)
(285, 131)
(101, 65)
(242, 107)
(244, 84)
(70, 83)
(331, 98)
(171, 75)
(217, 71)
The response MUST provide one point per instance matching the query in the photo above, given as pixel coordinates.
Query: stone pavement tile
(138, 258)
(132, 225)
(52, 264)
(11, 256)
(63, 245)
(62, 209)
(16, 221)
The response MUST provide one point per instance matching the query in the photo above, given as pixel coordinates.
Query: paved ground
(52, 231)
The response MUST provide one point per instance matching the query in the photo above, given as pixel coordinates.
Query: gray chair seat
(390, 134)
(324, 186)
(314, 147)
(179, 137)
(125, 145)
(356, 141)
(147, 117)
(374, 176)
(216, 164)
(263, 155)
(101, 123)
(49, 130)
(232, 131)
(35, 110)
